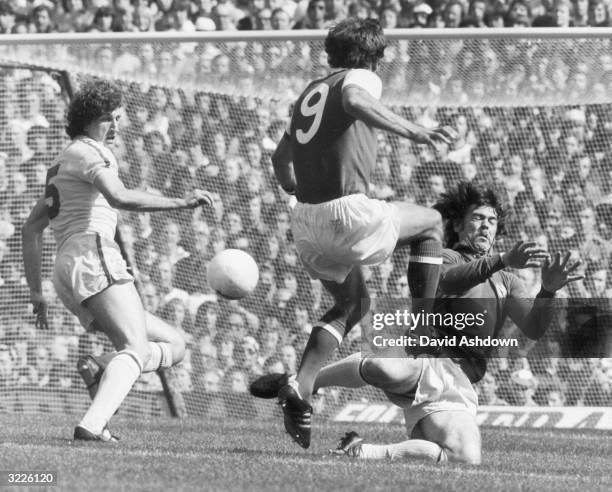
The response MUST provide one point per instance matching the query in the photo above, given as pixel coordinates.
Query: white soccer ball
(233, 273)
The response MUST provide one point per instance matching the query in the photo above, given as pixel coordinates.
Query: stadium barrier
(533, 111)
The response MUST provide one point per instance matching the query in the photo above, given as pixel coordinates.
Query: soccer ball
(233, 273)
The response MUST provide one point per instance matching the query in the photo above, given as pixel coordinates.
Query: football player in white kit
(82, 193)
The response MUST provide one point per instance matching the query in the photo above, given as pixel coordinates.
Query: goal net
(533, 115)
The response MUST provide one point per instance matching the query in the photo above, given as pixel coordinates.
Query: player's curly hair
(355, 43)
(455, 203)
(95, 98)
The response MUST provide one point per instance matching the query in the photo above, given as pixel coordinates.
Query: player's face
(105, 128)
(478, 228)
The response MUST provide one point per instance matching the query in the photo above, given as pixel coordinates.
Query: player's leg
(448, 435)
(456, 432)
(351, 303)
(421, 228)
(344, 372)
(390, 371)
(119, 313)
(166, 344)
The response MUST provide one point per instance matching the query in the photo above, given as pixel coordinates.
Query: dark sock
(424, 273)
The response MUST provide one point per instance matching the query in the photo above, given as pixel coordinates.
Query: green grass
(193, 455)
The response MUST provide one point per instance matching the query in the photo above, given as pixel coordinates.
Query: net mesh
(533, 115)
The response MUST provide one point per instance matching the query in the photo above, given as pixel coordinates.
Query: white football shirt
(74, 204)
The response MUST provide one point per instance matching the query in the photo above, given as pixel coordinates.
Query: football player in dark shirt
(436, 393)
(326, 159)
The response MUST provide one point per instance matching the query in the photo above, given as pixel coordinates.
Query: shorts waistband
(331, 202)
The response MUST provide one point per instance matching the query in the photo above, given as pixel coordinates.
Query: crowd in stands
(553, 163)
(44, 16)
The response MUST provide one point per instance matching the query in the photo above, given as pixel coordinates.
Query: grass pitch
(194, 455)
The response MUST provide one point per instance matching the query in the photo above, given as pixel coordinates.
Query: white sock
(345, 372)
(161, 356)
(116, 382)
(412, 448)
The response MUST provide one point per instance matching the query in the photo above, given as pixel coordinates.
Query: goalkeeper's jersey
(74, 204)
(478, 286)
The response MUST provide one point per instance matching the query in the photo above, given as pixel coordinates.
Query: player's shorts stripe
(432, 260)
(332, 330)
(102, 260)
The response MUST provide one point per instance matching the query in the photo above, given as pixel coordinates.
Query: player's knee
(142, 350)
(178, 349)
(468, 454)
(379, 372)
(436, 228)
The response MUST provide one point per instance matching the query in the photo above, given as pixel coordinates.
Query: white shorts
(442, 386)
(333, 237)
(85, 265)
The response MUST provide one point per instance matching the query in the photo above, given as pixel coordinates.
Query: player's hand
(199, 198)
(525, 254)
(444, 134)
(41, 310)
(557, 272)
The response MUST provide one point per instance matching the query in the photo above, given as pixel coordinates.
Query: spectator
(315, 16)
(41, 19)
(336, 11)
(103, 20)
(250, 363)
(206, 321)
(163, 278)
(8, 374)
(252, 20)
(519, 14)
(210, 381)
(593, 248)
(237, 381)
(580, 13)
(7, 19)
(487, 391)
(598, 14)
(289, 359)
(281, 20)
(453, 14)
(477, 13)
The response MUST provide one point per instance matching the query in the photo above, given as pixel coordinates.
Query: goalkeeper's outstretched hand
(557, 272)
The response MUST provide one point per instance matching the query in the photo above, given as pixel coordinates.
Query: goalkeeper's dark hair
(455, 203)
(95, 98)
(355, 43)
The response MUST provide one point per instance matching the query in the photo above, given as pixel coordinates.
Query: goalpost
(533, 109)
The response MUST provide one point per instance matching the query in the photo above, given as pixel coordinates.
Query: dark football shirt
(480, 286)
(334, 154)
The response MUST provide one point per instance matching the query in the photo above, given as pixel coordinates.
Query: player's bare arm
(282, 160)
(118, 196)
(363, 106)
(32, 235)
